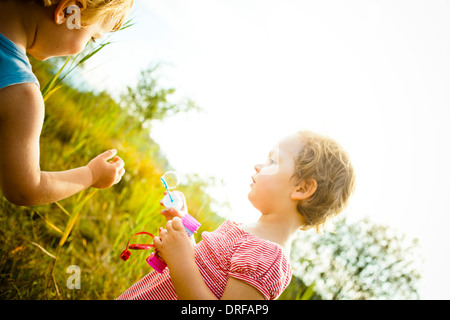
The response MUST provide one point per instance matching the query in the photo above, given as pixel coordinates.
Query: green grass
(89, 229)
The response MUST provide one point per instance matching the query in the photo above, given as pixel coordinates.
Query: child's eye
(93, 39)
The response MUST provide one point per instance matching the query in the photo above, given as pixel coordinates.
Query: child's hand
(173, 243)
(171, 213)
(106, 173)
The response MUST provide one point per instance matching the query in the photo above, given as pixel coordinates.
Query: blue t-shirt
(15, 66)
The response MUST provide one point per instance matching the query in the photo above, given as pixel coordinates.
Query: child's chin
(250, 198)
(39, 57)
(43, 57)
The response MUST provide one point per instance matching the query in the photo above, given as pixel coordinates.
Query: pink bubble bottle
(173, 200)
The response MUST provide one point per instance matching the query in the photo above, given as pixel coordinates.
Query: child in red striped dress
(306, 180)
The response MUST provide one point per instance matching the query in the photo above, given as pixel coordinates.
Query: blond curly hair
(324, 160)
(104, 11)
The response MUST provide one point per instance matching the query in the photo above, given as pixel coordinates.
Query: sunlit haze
(373, 75)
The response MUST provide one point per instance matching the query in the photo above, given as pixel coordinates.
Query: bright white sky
(374, 75)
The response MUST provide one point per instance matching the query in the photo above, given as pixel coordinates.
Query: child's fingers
(157, 242)
(171, 212)
(168, 211)
(118, 162)
(119, 175)
(177, 224)
(114, 160)
(108, 154)
(174, 225)
(162, 233)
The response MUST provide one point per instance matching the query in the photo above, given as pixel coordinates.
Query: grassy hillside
(90, 229)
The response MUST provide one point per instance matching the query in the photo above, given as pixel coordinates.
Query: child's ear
(61, 12)
(304, 190)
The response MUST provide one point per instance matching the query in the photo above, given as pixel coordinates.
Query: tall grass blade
(62, 208)
(50, 85)
(127, 24)
(85, 199)
(43, 250)
(51, 225)
(51, 92)
(69, 228)
(73, 217)
(55, 83)
(92, 53)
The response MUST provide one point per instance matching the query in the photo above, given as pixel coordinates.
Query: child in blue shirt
(41, 28)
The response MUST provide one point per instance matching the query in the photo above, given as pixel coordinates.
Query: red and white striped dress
(226, 252)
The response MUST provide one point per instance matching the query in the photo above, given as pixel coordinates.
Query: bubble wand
(190, 224)
(175, 199)
(167, 188)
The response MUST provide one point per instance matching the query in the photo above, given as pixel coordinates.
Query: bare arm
(177, 251)
(21, 179)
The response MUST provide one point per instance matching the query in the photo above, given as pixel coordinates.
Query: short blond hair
(324, 160)
(104, 11)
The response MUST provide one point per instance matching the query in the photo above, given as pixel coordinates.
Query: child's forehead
(290, 144)
(290, 140)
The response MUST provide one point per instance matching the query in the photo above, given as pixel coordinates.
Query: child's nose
(258, 167)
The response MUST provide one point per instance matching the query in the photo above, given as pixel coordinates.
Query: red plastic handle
(136, 246)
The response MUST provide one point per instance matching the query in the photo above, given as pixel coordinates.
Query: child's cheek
(269, 170)
(75, 41)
